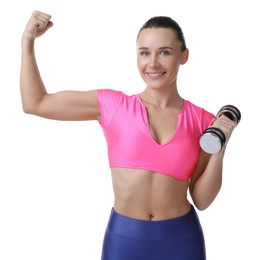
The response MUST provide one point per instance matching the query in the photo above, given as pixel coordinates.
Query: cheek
(174, 66)
(141, 64)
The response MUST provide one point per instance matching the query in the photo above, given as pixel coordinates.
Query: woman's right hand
(37, 25)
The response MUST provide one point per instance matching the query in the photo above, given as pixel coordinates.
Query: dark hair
(165, 22)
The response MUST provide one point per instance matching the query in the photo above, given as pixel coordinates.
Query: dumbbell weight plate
(212, 140)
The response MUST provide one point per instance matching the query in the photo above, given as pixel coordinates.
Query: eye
(165, 52)
(144, 53)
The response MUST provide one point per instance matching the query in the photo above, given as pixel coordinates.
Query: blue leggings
(173, 239)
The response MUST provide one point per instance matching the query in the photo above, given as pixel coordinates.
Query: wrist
(27, 43)
(220, 154)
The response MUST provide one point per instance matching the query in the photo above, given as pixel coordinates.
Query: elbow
(202, 206)
(29, 109)
(202, 203)
(26, 110)
(31, 105)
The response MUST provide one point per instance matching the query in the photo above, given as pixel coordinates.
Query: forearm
(31, 85)
(208, 185)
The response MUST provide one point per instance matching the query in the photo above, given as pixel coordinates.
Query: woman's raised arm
(64, 105)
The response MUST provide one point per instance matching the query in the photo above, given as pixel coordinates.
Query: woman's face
(159, 57)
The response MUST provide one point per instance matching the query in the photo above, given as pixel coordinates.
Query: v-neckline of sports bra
(146, 119)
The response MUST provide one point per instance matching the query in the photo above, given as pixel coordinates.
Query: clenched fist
(37, 25)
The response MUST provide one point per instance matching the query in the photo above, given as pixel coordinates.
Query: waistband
(160, 229)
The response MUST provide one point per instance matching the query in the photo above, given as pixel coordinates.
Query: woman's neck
(162, 98)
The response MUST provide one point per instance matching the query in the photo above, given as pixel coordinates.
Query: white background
(55, 184)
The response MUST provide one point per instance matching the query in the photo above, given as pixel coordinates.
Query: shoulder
(108, 96)
(110, 101)
(199, 114)
(109, 93)
(193, 108)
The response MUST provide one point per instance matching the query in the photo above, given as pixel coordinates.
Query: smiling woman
(153, 145)
(157, 47)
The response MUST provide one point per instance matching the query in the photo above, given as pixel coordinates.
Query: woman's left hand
(225, 124)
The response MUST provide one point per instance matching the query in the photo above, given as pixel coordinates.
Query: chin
(154, 86)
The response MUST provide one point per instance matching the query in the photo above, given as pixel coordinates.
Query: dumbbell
(213, 139)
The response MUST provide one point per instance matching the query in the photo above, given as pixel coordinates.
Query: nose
(154, 61)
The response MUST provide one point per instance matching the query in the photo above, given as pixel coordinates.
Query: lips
(155, 75)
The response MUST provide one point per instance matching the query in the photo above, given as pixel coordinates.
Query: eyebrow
(161, 48)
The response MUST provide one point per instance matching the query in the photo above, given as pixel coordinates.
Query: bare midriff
(147, 195)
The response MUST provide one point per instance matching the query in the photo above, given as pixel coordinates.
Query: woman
(153, 145)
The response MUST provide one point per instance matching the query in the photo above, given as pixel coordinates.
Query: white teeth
(155, 74)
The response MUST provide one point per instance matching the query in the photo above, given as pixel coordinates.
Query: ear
(184, 56)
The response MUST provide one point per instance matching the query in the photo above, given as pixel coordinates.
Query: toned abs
(148, 195)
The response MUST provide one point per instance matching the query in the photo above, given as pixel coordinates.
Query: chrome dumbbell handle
(231, 112)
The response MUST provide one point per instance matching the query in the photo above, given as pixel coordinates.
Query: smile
(155, 75)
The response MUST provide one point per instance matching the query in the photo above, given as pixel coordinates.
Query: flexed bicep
(63, 105)
(70, 105)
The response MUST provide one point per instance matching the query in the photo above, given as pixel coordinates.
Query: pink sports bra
(130, 144)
